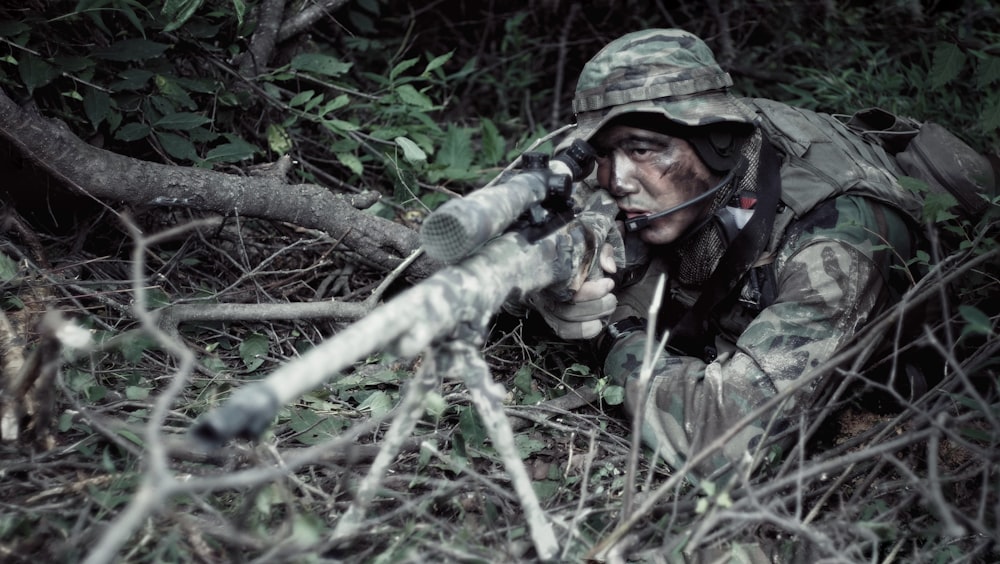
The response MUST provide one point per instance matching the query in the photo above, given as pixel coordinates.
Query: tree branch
(302, 20)
(269, 15)
(108, 176)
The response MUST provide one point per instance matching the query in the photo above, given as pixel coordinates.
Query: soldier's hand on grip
(584, 317)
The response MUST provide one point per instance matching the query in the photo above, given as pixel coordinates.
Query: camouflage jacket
(843, 225)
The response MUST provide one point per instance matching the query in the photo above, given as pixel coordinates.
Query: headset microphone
(642, 222)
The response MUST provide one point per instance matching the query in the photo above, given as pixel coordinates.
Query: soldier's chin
(657, 236)
(661, 231)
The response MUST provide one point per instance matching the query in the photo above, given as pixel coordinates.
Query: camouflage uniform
(842, 225)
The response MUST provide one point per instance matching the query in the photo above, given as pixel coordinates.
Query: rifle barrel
(470, 292)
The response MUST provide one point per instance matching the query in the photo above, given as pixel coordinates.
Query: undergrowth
(420, 104)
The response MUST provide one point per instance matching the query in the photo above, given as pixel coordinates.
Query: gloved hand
(592, 304)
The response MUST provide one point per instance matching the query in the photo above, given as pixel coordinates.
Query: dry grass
(917, 483)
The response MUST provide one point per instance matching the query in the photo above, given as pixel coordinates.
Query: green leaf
(435, 405)
(136, 393)
(456, 151)
(340, 126)
(938, 206)
(131, 436)
(12, 28)
(132, 132)
(132, 79)
(351, 161)
(312, 428)
(178, 12)
(494, 145)
(471, 428)
(130, 50)
(181, 121)
(402, 66)
(976, 322)
(526, 446)
(133, 346)
(96, 104)
(437, 62)
(240, 8)
(8, 268)
(253, 351)
(523, 379)
(411, 152)
(379, 403)
(307, 530)
(947, 64)
(231, 152)
(65, 422)
(320, 64)
(201, 135)
(914, 185)
(546, 489)
(614, 395)
(176, 146)
(171, 88)
(343, 145)
(335, 104)
(278, 139)
(315, 101)
(988, 72)
(35, 72)
(409, 95)
(71, 63)
(301, 98)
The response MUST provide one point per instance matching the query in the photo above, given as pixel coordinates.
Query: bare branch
(302, 20)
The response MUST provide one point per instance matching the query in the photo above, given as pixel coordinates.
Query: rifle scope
(459, 227)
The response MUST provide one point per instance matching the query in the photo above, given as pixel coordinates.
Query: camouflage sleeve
(830, 283)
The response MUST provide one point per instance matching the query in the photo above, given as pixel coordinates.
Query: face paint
(649, 172)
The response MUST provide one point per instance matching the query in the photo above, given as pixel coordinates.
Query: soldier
(780, 232)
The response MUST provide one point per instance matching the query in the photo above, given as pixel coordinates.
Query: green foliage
(410, 101)
(157, 79)
(942, 67)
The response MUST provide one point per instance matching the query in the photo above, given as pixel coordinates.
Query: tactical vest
(823, 159)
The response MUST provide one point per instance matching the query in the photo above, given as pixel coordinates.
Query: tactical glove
(593, 303)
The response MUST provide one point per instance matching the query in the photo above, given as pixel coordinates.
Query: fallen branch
(110, 177)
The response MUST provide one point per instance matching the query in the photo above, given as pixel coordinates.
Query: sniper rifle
(518, 237)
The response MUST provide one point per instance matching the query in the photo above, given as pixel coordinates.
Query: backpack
(934, 155)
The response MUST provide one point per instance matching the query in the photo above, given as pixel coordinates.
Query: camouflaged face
(665, 71)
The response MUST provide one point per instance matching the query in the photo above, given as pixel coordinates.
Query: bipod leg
(409, 411)
(465, 361)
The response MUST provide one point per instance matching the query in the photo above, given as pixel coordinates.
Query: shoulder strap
(691, 333)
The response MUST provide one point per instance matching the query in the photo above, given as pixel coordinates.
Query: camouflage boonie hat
(664, 71)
